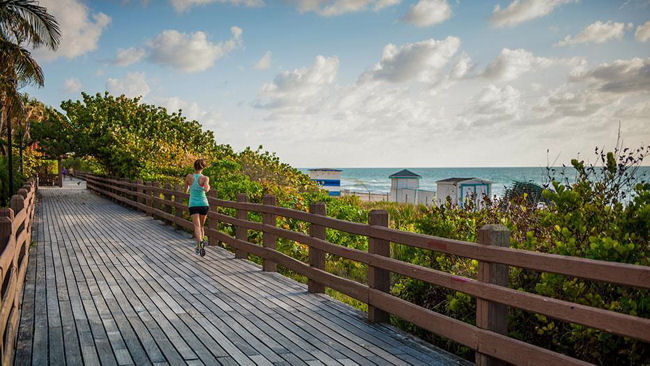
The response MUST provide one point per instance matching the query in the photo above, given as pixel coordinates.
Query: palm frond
(29, 22)
(18, 65)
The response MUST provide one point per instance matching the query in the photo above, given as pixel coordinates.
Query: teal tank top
(197, 194)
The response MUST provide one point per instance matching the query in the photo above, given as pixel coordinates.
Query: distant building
(459, 190)
(405, 188)
(329, 179)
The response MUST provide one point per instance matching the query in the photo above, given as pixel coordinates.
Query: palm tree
(23, 23)
(34, 112)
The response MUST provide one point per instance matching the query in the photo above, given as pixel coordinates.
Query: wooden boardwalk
(108, 285)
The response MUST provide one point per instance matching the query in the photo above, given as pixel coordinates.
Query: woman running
(198, 184)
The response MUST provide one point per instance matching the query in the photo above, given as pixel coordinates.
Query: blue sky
(372, 82)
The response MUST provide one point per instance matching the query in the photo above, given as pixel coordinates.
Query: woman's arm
(187, 184)
(206, 184)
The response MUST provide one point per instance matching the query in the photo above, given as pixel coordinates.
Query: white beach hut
(329, 179)
(405, 188)
(461, 189)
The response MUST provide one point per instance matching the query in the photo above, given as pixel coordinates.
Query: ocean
(376, 180)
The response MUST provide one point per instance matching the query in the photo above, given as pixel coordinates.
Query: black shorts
(201, 210)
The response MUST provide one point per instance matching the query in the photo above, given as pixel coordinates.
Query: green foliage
(19, 180)
(133, 139)
(53, 135)
(528, 191)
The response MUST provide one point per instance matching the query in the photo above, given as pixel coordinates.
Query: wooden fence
(15, 238)
(488, 337)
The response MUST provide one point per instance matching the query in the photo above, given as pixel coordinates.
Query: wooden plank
(26, 326)
(193, 325)
(94, 329)
(147, 321)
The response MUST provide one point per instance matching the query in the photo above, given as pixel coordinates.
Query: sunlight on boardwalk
(108, 285)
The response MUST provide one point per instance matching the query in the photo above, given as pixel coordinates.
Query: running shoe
(202, 250)
(197, 250)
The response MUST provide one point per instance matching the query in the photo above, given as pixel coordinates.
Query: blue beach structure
(329, 179)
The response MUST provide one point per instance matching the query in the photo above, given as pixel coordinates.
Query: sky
(372, 83)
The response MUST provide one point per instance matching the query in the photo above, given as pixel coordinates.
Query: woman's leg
(198, 229)
(202, 221)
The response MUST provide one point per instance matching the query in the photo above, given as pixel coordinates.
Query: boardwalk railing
(488, 338)
(15, 238)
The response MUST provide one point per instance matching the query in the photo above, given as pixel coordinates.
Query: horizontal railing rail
(15, 238)
(488, 338)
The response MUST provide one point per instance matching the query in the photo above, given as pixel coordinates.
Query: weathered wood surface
(108, 285)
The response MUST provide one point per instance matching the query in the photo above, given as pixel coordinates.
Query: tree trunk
(20, 154)
(10, 164)
(2, 120)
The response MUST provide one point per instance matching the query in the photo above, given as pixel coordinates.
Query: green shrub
(18, 180)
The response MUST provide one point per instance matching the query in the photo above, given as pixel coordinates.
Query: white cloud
(565, 103)
(126, 57)
(337, 7)
(421, 61)
(210, 119)
(520, 11)
(462, 67)
(264, 62)
(293, 87)
(184, 5)
(642, 33)
(80, 31)
(191, 52)
(134, 84)
(380, 4)
(494, 105)
(72, 85)
(561, 106)
(620, 76)
(511, 64)
(597, 32)
(426, 13)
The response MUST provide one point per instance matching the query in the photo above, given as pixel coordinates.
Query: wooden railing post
(269, 240)
(6, 220)
(378, 278)
(490, 315)
(168, 198)
(123, 185)
(149, 201)
(155, 194)
(17, 204)
(139, 190)
(213, 224)
(178, 211)
(241, 232)
(316, 256)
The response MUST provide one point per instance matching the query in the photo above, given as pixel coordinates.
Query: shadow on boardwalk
(108, 285)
